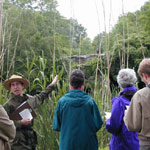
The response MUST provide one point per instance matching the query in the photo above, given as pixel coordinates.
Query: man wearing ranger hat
(26, 138)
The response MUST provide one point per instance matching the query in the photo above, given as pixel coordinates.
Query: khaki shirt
(7, 130)
(137, 118)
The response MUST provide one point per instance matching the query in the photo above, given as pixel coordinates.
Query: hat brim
(7, 83)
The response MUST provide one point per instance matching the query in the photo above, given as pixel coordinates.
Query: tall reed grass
(47, 138)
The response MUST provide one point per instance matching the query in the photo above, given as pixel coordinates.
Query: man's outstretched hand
(55, 80)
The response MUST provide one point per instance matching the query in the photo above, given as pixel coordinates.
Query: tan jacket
(137, 118)
(7, 130)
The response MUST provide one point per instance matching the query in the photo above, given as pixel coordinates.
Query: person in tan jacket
(137, 117)
(7, 130)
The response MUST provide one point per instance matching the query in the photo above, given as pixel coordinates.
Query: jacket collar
(18, 98)
(131, 88)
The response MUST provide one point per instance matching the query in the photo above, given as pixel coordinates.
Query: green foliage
(30, 32)
(104, 148)
(128, 42)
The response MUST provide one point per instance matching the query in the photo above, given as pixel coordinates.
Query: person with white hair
(121, 138)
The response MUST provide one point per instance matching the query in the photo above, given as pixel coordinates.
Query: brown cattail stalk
(12, 64)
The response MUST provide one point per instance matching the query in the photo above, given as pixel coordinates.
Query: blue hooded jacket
(121, 138)
(77, 117)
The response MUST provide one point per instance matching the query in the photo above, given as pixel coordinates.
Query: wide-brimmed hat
(13, 78)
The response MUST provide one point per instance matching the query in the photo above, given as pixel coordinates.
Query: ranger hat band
(13, 78)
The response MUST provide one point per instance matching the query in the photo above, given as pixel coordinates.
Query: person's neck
(80, 88)
(146, 78)
(76, 89)
(19, 94)
(147, 83)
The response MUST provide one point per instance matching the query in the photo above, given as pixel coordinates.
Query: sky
(97, 15)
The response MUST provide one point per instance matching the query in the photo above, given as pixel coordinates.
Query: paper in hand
(26, 114)
(125, 112)
(107, 115)
(127, 107)
(24, 111)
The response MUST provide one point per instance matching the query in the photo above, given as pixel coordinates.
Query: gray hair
(126, 77)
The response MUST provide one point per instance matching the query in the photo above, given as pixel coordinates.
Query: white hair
(126, 77)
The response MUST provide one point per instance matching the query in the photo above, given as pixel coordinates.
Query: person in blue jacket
(121, 138)
(77, 117)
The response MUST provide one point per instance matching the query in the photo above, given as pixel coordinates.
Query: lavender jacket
(121, 138)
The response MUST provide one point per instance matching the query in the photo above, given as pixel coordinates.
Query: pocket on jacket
(145, 124)
(19, 137)
(146, 115)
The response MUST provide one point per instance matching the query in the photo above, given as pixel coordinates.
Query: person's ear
(70, 86)
(143, 76)
(146, 78)
(83, 85)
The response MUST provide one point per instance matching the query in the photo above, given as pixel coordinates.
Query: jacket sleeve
(57, 119)
(97, 117)
(114, 123)
(133, 116)
(7, 127)
(38, 99)
(8, 109)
